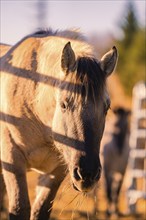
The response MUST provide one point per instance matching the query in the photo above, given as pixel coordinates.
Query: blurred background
(104, 23)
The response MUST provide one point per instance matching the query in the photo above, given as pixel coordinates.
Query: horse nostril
(76, 174)
(98, 174)
(84, 175)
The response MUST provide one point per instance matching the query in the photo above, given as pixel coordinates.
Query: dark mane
(69, 33)
(89, 80)
(44, 33)
(91, 77)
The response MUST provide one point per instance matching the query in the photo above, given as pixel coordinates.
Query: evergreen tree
(130, 25)
(131, 65)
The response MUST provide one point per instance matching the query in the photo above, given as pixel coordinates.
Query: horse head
(82, 103)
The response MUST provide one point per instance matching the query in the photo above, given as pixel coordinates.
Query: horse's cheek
(56, 122)
(58, 129)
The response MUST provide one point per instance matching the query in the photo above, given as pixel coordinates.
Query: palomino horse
(115, 156)
(53, 108)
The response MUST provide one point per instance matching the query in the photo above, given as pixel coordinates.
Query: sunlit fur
(36, 132)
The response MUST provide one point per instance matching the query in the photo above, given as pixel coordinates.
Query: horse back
(4, 48)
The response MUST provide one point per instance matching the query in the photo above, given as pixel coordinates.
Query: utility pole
(42, 10)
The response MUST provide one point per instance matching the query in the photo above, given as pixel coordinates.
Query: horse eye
(64, 105)
(107, 106)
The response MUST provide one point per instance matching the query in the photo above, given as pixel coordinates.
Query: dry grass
(91, 207)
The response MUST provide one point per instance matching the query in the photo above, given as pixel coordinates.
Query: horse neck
(46, 99)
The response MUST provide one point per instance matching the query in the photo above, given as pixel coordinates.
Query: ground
(70, 205)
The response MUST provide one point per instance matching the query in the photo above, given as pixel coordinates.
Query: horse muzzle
(85, 180)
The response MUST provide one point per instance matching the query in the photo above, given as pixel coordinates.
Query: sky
(19, 17)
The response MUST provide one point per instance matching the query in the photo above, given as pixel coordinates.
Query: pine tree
(130, 25)
(131, 48)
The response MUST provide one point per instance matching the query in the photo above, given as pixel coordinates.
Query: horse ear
(68, 60)
(108, 61)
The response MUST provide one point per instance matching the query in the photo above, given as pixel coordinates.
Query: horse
(53, 89)
(115, 159)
